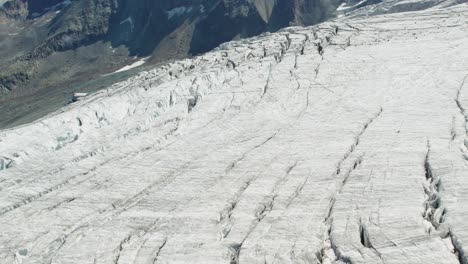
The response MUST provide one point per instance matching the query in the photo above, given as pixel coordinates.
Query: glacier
(344, 142)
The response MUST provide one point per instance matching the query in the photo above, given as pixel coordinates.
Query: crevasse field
(343, 142)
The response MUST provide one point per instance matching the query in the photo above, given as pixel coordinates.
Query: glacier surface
(344, 142)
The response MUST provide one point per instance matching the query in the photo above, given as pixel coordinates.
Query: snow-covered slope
(339, 143)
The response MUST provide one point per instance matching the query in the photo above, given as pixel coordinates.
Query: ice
(133, 65)
(338, 143)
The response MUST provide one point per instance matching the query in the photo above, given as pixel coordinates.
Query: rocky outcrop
(15, 9)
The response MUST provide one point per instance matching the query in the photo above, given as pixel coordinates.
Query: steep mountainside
(343, 142)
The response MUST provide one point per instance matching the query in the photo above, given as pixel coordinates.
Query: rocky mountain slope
(343, 142)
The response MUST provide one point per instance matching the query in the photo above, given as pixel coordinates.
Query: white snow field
(339, 143)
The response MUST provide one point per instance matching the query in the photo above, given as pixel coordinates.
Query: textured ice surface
(340, 143)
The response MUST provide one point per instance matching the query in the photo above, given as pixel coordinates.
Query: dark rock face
(142, 24)
(41, 6)
(313, 12)
(82, 23)
(224, 23)
(17, 9)
(23, 9)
